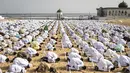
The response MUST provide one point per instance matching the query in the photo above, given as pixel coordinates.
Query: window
(112, 12)
(122, 13)
(115, 13)
(109, 12)
(129, 15)
(119, 13)
(125, 12)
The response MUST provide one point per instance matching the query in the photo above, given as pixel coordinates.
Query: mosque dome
(123, 5)
(59, 10)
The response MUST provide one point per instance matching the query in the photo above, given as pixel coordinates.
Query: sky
(51, 6)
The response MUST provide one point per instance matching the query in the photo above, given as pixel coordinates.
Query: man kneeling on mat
(104, 65)
(75, 64)
(45, 68)
(51, 57)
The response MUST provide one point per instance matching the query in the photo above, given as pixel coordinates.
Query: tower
(59, 14)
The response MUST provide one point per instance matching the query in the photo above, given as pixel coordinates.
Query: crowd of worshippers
(25, 35)
(100, 42)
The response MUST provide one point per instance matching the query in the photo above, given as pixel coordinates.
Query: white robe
(74, 50)
(25, 40)
(21, 62)
(39, 39)
(92, 41)
(44, 35)
(111, 45)
(86, 36)
(2, 58)
(52, 41)
(122, 60)
(66, 43)
(3, 44)
(94, 55)
(85, 47)
(49, 46)
(115, 39)
(14, 68)
(51, 56)
(74, 55)
(31, 51)
(100, 47)
(1, 38)
(128, 44)
(18, 45)
(9, 42)
(109, 53)
(83, 44)
(121, 41)
(105, 65)
(29, 37)
(102, 39)
(75, 64)
(8, 51)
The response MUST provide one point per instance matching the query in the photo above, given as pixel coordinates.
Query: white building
(59, 14)
(122, 11)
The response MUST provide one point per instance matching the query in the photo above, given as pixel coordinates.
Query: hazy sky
(51, 6)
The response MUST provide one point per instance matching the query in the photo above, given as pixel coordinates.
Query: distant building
(59, 14)
(121, 11)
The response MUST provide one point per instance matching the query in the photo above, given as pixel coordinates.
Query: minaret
(59, 14)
